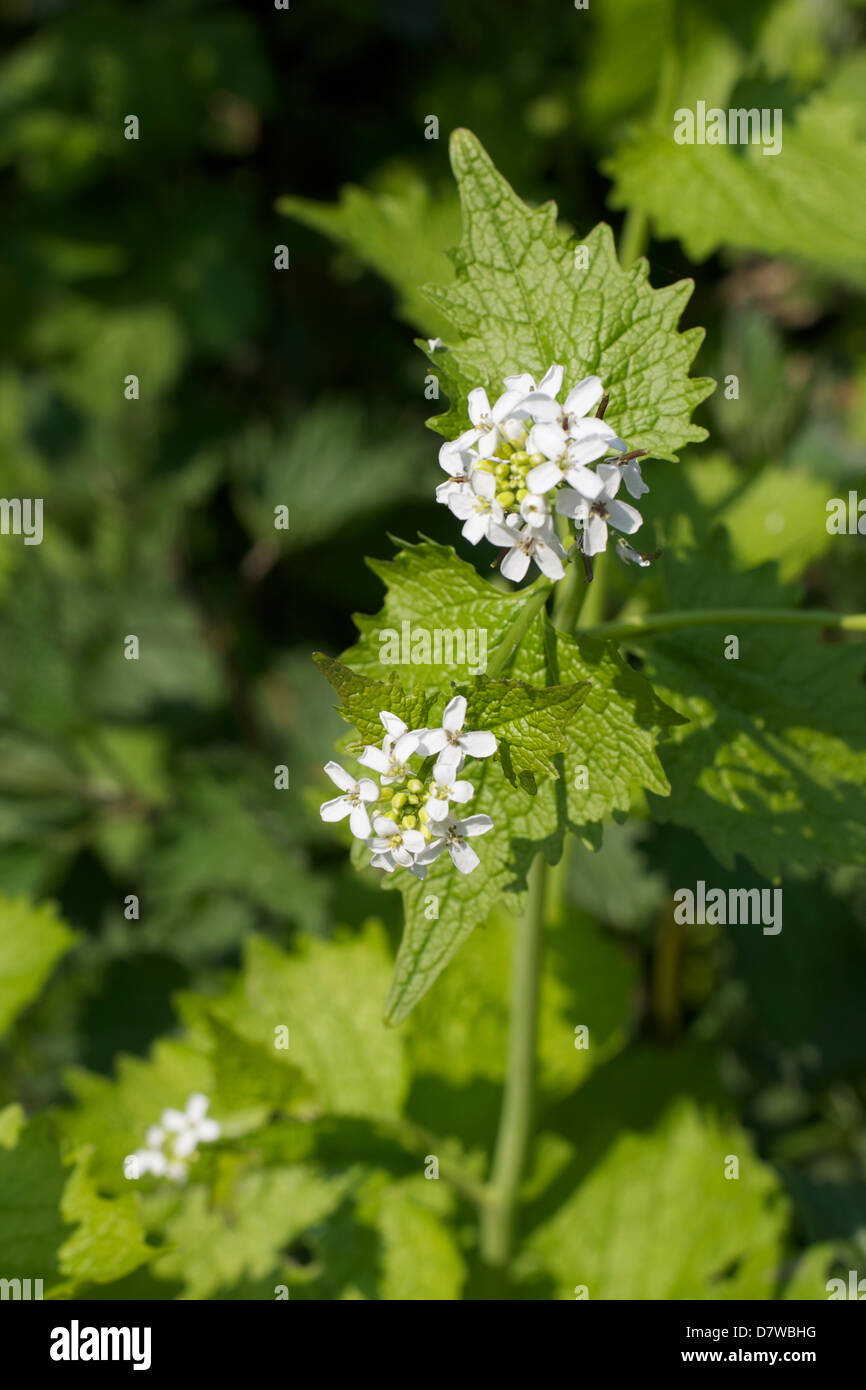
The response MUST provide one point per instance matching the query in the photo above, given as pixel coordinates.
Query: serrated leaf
(421, 1259)
(109, 1240)
(32, 940)
(529, 722)
(32, 1179)
(522, 300)
(771, 765)
(656, 1218)
(363, 699)
(806, 200)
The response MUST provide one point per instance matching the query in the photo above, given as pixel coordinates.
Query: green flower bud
(415, 785)
(399, 801)
(505, 499)
(536, 459)
(521, 493)
(423, 815)
(409, 822)
(484, 466)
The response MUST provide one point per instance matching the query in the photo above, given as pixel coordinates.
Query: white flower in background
(476, 506)
(446, 787)
(452, 835)
(550, 385)
(399, 845)
(487, 419)
(456, 458)
(190, 1126)
(391, 761)
(179, 1132)
(596, 514)
(434, 343)
(452, 742)
(533, 542)
(352, 802)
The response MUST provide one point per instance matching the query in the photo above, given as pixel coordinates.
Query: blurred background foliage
(302, 387)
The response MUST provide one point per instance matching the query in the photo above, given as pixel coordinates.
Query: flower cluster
(406, 820)
(172, 1145)
(527, 458)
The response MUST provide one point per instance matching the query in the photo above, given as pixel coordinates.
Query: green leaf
(32, 940)
(217, 1245)
(656, 1218)
(771, 765)
(611, 750)
(421, 1259)
(530, 723)
(399, 230)
(109, 1241)
(328, 995)
(797, 202)
(32, 1179)
(363, 699)
(522, 300)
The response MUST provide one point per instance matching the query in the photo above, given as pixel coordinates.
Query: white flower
(452, 834)
(451, 742)
(446, 788)
(564, 458)
(400, 845)
(476, 506)
(539, 543)
(631, 476)
(579, 401)
(457, 460)
(596, 513)
(351, 804)
(434, 343)
(487, 419)
(190, 1126)
(398, 745)
(534, 509)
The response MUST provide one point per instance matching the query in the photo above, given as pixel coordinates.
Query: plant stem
(498, 1216)
(535, 598)
(652, 623)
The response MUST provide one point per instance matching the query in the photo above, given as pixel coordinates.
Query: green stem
(652, 623)
(498, 1216)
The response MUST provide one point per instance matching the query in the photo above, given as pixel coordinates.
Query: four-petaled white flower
(564, 458)
(476, 506)
(487, 419)
(596, 513)
(446, 787)
(630, 555)
(550, 385)
(452, 835)
(535, 510)
(451, 742)
(399, 845)
(179, 1132)
(352, 802)
(398, 745)
(457, 460)
(532, 542)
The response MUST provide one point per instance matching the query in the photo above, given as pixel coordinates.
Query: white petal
(524, 383)
(631, 476)
(432, 741)
(463, 856)
(479, 744)
(611, 477)
(414, 841)
(507, 402)
(587, 450)
(624, 517)
(487, 443)
(419, 870)
(391, 724)
(375, 758)
(593, 427)
(548, 561)
(383, 861)
(367, 789)
(515, 564)
(594, 535)
(551, 382)
(475, 825)
(196, 1106)
(549, 440)
(336, 809)
(498, 534)
(436, 808)
(184, 1144)
(462, 504)
(475, 529)
(406, 745)
(401, 855)
(479, 405)
(432, 851)
(462, 792)
(542, 407)
(450, 760)
(584, 481)
(155, 1137)
(385, 826)
(484, 483)
(543, 477)
(359, 822)
(534, 509)
(340, 777)
(208, 1131)
(570, 503)
(455, 714)
(584, 396)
